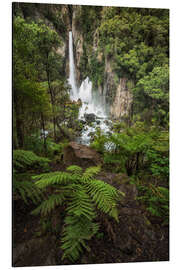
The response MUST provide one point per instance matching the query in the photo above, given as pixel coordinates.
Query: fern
(23, 159)
(61, 178)
(48, 205)
(27, 190)
(90, 173)
(81, 194)
(156, 200)
(81, 204)
(105, 197)
(76, 231)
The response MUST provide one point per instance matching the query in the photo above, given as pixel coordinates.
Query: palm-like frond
(74, 169)
(22, 158)
(77, 230)
(46, 179)
(90, 173)
(48, 205)
(82, 193)
(27, 190)
(81, 204)
(105, 197)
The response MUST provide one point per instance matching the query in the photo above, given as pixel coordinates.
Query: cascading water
(92, 101)
(72, 80)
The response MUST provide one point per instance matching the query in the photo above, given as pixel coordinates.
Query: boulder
(82, 155)
(98, 122)
(90, 117)
(82, 122)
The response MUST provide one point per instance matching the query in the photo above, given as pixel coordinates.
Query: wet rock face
(82, 155)
(123, 100)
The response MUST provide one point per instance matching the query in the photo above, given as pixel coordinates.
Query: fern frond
(76, 172)
(46, 179)
(81, 204)
(90, 173)
(48, 205)
(105, 197)
(76, 231)
(74, 169)
(22, 158)
(27, 189)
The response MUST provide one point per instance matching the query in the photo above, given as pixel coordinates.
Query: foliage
(27, 191)
(23, 186)
(39, 91)
(156, 200)
(22, 160)
(154, 89)
(80, 193)
(135, 149)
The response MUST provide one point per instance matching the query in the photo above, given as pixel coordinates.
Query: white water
(92, 101)
(72, 80)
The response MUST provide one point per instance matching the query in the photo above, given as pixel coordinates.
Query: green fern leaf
(27, 189)
(81, 204)
(90, 173)
(76, 231)
(74, 169)
(61, 178)
(48, 205)
(22, 158)
(104, 195)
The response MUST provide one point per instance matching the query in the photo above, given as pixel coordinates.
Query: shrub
(156, 200)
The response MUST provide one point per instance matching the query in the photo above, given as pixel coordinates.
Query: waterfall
(92, 101)
(72, 80)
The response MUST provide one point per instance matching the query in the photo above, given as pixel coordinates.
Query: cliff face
(122, 103)
(78, 42)
(91, 60)
(90, 57)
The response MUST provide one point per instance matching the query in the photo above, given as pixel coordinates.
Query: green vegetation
(24, 164)
(79, 192)
(131, 44)
(40, 93)
(156, 200)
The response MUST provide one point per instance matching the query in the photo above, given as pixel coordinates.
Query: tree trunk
(19, 125)
(44, 135)
(52, 97)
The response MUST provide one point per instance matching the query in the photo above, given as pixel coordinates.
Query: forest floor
(138, 237)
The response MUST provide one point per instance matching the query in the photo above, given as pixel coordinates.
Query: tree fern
(45, 180)
(81, 194)
(22, 159)
(23, 188)
(90, 173)
(48, 205)
(77, 230)
(27, 190)
(81, 204)
(105, 197)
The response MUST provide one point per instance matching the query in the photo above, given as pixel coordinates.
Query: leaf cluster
(82, 195)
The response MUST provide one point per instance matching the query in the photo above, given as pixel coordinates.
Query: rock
(82, 155)
(98, 122)
(89, 117)
(79, 102)
(106, 122)
(35, 252)
(90, 134)
(82, 122)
